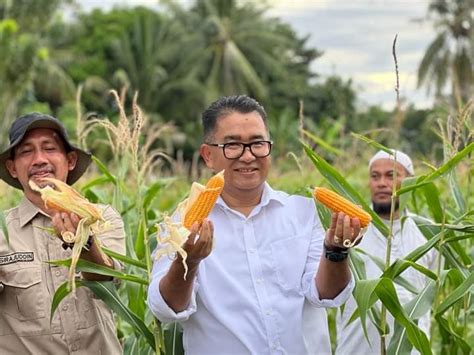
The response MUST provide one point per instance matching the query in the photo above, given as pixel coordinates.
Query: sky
(356, 37)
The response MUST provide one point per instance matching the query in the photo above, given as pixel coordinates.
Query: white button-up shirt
(256, 293)
(406, 238)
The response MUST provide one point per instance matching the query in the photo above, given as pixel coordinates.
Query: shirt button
(1, 287)
(259, 281)
(58, 273)
(251, 250)
(74, 347)
(268, 313)
(65, 307)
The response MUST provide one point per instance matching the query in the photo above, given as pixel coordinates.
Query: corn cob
(64, 198)
(204, 203)
(338, 203)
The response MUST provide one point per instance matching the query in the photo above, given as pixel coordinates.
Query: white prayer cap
(397, 155)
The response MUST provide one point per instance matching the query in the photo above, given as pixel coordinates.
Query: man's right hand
(199, 243)
(175, 289)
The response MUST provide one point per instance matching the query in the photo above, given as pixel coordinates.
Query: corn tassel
(204, 203)
(338, 203)
(64, 198)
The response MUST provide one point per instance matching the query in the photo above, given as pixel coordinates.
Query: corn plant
(450, 231)
(131, 188)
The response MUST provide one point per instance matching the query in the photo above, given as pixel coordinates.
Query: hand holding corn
(73, 217)
(198, 248)
(180, 237)
(347, 219)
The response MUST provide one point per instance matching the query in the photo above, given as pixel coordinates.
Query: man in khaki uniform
(39, 148)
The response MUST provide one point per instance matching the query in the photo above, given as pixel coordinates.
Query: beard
(384, 208)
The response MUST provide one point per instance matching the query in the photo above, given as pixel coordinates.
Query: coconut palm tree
(244, 50)
(449, 59)
(156, 57)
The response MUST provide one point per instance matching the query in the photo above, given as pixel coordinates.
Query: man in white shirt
(406, 238)
(256, 289)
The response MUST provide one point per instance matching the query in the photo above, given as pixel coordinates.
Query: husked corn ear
(65, 199)
(338, 203)
(206, 200)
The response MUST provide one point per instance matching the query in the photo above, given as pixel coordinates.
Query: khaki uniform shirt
(81, 325)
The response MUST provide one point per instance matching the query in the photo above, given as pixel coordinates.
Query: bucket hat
(17, 132)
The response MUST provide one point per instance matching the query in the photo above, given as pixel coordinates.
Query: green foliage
(333, 99)
(449, 58)
(451, 237)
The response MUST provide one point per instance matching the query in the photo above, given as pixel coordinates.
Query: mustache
(42, 170)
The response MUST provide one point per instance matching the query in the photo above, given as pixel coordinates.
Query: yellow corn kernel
(206, 200)
(338, 203)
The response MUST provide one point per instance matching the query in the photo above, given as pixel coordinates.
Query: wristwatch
(335, 254)
(86, 247)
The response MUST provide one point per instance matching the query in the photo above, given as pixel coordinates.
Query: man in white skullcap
(385, 169)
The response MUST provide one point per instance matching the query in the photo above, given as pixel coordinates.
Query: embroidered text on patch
(16, 257)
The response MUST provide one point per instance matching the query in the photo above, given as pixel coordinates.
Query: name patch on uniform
(16, 257)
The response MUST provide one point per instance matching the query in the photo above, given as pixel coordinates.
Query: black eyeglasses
(234, 150)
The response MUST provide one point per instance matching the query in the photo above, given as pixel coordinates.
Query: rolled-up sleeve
(312, 264)
(337, 301)
(113, 237)
(157, 304)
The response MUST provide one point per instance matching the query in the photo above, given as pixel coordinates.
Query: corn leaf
(58, 296)
(462, 284)
(153, 190)
(357, 265)
(132, 345)
(103, 169)
(456, 256)
(365, 297)
(366, 293)
(136, 295)
(456, 192)
(98, 181)
(371, 142)
(381, 265)
(415, 309)
(456, 295)
(87, 266)
(404, 199)
(140, 239)
(445, 327)
(173, 339)
(322, 143)
(124, 259)
(337, 181)
(324, 214)
(431, 194)
(387, 294)
(443, 169)
(107, 292)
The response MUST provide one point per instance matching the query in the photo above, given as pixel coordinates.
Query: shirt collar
(269, 195)
(27, 211)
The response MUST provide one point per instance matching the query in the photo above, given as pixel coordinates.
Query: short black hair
(227, 105)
